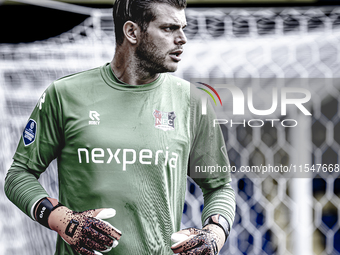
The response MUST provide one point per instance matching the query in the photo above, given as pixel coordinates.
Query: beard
(150, 57)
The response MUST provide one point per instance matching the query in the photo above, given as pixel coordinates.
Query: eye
(168, 29)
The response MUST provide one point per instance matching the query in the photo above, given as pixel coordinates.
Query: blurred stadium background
(44, 40)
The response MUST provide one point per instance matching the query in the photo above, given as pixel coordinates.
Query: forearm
(220, 201)
(23, 188)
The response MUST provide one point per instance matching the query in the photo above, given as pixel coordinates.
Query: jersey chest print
(124, 157)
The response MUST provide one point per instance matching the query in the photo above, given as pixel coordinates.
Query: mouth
(176, 55)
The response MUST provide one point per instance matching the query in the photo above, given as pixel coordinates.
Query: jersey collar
(110, 78)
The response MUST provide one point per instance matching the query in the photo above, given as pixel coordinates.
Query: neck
(126, 68)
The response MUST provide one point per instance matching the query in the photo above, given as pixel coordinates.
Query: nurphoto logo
(273, 101)
(209, 93)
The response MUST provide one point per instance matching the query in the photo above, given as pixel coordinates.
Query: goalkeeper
(126, 135)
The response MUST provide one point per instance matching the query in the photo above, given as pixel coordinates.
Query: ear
(130, 30)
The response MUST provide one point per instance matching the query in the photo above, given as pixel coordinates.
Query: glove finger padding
(106, 214)
(198, 241)
(203, 250)
(85, 251)
(83, 230)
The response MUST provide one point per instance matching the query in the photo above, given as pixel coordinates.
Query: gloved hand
(86, 231)
(193, 241)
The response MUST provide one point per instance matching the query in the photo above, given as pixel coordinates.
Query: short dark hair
(138, 11)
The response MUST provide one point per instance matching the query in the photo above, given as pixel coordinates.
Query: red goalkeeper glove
(86, 231)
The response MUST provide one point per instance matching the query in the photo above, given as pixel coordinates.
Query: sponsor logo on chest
(127, 157)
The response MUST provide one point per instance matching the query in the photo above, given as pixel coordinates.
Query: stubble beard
(150, 59)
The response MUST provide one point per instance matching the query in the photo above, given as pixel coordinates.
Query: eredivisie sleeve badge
(29, 133)
(164, 120)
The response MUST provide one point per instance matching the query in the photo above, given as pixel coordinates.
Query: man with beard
(123, 134)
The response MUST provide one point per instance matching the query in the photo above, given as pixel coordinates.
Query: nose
(181, 38)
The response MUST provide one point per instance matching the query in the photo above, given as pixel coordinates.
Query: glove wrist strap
(220, 221)
(43, 210)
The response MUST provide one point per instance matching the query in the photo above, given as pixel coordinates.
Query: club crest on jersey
(164, 120)
(29, 132)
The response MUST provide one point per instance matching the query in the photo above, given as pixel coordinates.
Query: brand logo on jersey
(41, 101)
(29, 132)
(94, 116)
(164, 120)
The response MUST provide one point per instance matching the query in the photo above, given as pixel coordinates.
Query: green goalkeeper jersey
(123, 147)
